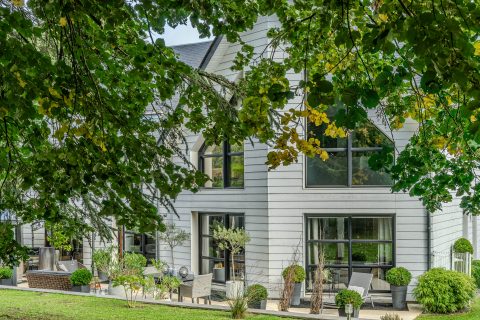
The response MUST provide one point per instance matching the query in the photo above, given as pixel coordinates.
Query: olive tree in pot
(6, 276)
(399, 279)
(346, 296)
(129, 277)
(257, 296)
(297, 274)
(173, 237)
(106, 262)
(80, 280)
(234, 241)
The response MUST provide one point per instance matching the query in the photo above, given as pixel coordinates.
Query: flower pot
(102, 276)
(84, 289)
(234, 289)
(342, 313)
(399, 297)
(262, 304)
(115, 291)
(219, 274)
(6, 282)
(297, 291)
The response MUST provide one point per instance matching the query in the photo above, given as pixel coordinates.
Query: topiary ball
(463, 245)
(298, 273)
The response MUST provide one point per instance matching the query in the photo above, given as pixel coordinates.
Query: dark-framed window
(223, 164)
(212, 258)
(350, 243)
(140, 243)
(347, 165)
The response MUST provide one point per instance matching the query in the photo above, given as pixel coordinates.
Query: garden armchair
(200, 287)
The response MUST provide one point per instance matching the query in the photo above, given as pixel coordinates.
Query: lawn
(42, 306)
(472, 315)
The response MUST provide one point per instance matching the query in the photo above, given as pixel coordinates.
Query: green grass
(472, 315)
(42, 306)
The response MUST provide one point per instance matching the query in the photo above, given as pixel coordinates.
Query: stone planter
(84, 289)
(399, 297)
(262, 304)
(116, 291)
(219, 274)
(297, 291)
(234, 289)
(341, 312)
(6, 282)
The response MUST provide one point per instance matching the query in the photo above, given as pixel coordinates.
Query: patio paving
(414, 310)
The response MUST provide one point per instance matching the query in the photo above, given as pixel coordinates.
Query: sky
(182, 34)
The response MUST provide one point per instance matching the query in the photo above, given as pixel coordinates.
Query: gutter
(429, 240)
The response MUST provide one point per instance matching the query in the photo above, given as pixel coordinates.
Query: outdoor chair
(364, 281)
(200, 287)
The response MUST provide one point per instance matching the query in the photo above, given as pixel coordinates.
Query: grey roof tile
(192, 53)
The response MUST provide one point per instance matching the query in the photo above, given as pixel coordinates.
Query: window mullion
(226, 178)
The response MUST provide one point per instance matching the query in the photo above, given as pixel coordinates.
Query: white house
(340, 205)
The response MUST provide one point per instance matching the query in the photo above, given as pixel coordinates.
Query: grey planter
(258, 304)
(356, 312)
(6, 282)
(116, 291)
(399, 297)
(102, 276)
(84, 289)
(297, 290)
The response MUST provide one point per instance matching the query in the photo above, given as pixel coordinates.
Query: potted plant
(298, 276)
(257, 296)
(128, 270)
(80, 280)
(173, 237)
(234, 241)
(346, 296)
(104, 261)
(399, 278)
(6, 276)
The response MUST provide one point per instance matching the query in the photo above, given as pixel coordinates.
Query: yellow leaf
(473, 118)
(54, 93)
(63, 21)
(20, 80)
(383, 17)
(18, 3)
(324, 155)
(477, 48)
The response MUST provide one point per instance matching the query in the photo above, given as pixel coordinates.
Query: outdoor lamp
(166, 268)
(183, 272)
(349, 310)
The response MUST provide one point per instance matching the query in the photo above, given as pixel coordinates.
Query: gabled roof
(193, 54)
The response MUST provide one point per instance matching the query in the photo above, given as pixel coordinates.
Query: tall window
(347, 165)
(140, 243)
(350, 244)
(212, 258)
(223, 164)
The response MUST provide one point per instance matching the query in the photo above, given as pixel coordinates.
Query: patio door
(140, 243)
(212, 258)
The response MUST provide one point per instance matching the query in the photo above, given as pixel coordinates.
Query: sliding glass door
(350, 244)
(212, 258)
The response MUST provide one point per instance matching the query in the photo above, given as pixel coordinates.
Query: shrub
(238, 306)
(444, 291)
(390, 316)
(346, 296)
(476, 271)
(132, 285)
(81, 277)
(6, 273)
(257, 293)
(462, 245)
(133, 264)
(298, 273)
(399, 277)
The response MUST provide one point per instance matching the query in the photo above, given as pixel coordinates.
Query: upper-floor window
(223, 164)
(348, 165)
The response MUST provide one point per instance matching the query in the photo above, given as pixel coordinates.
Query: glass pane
(215, 267)
(133, 242)
(334, 253)
(215, 149)
(210, 223)
(332, 172)
(236, 171)
(374, 228)
(327, 228)
(369, 136)
(150, 247)
(210, 248)
(236, 147)
(372, 253)
(237, 221)
(239, 270)
(362, 174)
(378, 282)
(327, 278)
(213, 168)
(336, 279)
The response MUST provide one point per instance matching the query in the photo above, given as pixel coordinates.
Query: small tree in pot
(399, 279)
(80, 280)
(173, 237)
(106, 262)
(6, 276)
(234, 241)
(257, 296)
(346, 296)
(297, 274)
